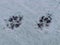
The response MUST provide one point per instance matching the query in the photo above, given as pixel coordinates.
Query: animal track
(44, 21)
(14, 21)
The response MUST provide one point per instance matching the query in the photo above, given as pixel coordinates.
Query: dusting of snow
(29, 33)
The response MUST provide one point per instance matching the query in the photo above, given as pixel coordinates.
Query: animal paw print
(44, 21)
(14, 21)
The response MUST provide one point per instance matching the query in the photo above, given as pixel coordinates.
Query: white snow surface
(28, 33)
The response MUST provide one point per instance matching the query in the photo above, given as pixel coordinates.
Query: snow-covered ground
(28, 33)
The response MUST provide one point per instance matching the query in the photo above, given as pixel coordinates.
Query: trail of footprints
(15, 21)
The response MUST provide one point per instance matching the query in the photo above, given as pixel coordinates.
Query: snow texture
(28, 33)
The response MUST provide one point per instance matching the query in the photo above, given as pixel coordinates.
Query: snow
(28, 33)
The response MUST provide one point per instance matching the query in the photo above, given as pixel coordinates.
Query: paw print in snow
(14, 21)
(44, 21)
